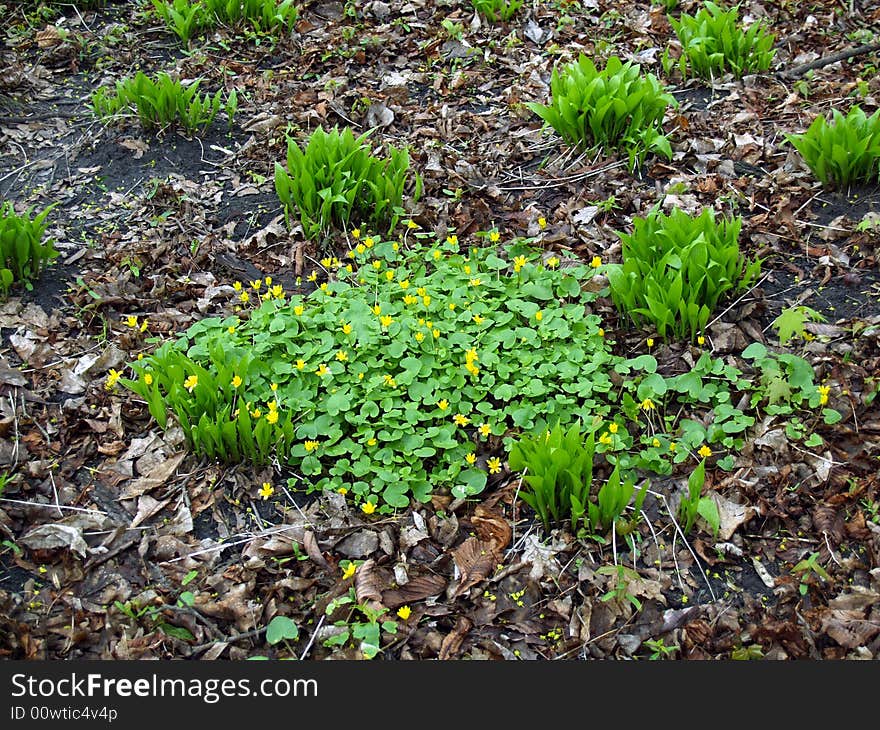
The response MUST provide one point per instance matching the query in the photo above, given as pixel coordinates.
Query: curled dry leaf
(368, 585)
(452, 642)
(53, 537)
(491, 527)
(475, 560)
(416, 589)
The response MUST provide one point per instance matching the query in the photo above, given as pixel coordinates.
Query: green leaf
(281, 628)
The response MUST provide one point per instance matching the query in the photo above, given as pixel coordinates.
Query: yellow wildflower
(426, 300)
(368, 508)
(443, 404)
(494, 465)
(231, 329)
(278, 291)
(404, 283)
(478, 319)
(647, 405)
(518, 263)
(539, 315)
(404, 612)
(461, 420)
(553, 262)
(389, 275)
(452, 240)
(368, 242)
(346, 328)
(272, 416)
(256, 284)
(356, 233)
(267, 490)
(470, 458)
(313, 276)
(385, 320)
(244, 297)
(191, 382)
(613, 427)
(112, 377)
(705, 451)
(236, 381)
(360, 248)
(310, 446)
(475, 282)
(322, 370)
(485, 429)
(542, 223)
(148, 379)
(436, 333)
(650, 342)
(131, 321)
(237, 286)
(300, 364)
(824, 391)
(349, 571)
(605, 438)
(655, 443)
(419, 336)
(342, 356)
(325, 262)
(409, 300)
(299, 309)
(701, 340)
(494, 236)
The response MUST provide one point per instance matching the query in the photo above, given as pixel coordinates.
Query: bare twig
(828, 60)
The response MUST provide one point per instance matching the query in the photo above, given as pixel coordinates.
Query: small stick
(828, 60)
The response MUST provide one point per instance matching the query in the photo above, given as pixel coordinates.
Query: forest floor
(117, 543)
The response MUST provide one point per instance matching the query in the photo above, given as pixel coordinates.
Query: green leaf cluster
(676, 268)
(713, 43)
(397, 369)
(496, 10)
(558, 480)
(615, 108)
(694, 505)
(162, 101)
(187, 18)
(335, 179)
(844, 151)
(23, 252)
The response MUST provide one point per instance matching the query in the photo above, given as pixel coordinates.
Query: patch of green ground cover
(414, 360)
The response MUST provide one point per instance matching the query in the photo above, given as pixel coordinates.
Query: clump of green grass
(24, 251)
(614, 108)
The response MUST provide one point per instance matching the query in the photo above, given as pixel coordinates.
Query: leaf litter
(104, 517)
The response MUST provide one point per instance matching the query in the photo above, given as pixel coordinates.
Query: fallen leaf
(156, 477)
(492, 528)
(147, 507)
(453, 640)
(731, 514)
(53, 537)
(368, 585)
(476, 560)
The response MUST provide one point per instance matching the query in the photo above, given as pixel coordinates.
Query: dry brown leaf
(452, 642)
(156, 477)
(314, 552)
(849, 628)
(368, 585)
(147, 507)
(233, 604)
(491, 527)
(416, 589)
(475, 560)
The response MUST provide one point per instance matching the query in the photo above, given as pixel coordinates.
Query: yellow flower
(701, 340)
(475, 282)
(368, 242)
(313, 276)
(404, 612)
(605, 438)
(471, 354)
(231, 329)
(267, 490)
(436, 333)
(478, 319)
(601, 332)
(443, 404)
(346, 328)
(342, 356)
(300, 364)
(426, 300)
(237, 286)
(824, 391)
(272, 415)
(349, 269)
(148, 379)
(360, 248)
(325, 262)
(385, 320)
(467, 269)
(377, 264)
(650, 342)
(389, 381)
(647, 405)
(655, 443)
(310, 446)
(268, 281)
(322, 370)
(191, 382)
(273, 387)
(613, 427)
(131, 321)
(436, 255)
(461, 420)
(411, 224)
(518, 263)
(494, 465)
(421, 291)
(705, 451)
(236, 381)
(368, 508)
(298, 310)
(356, 233)
(409, 300)
(257, 413)
(494, 236)
(278, 291)
(596, 262)
(404, 284)
(389, 275)
(451, 306)
(323, 286)
(553, 262)
(371, 442)
(539, 315)
(255, 285)
(349, 571)
(673, 446)
(542, 223)
(470, 458)
(244, 297)
(485, 429)
(453, 240)
(112, 377)
(342, 490)
(419, 336)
